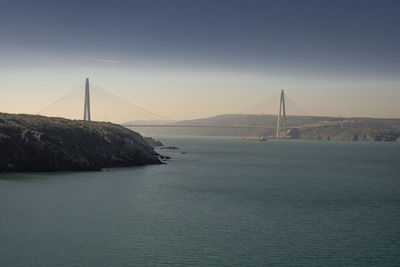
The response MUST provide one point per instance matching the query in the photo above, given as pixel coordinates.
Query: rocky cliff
(37, 143)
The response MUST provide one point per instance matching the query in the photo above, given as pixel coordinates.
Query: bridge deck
(195, 126)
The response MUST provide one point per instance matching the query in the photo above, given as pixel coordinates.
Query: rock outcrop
(152, 142)
(37, 143)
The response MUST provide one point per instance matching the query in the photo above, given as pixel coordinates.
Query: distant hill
(143, 122)
(308, 127)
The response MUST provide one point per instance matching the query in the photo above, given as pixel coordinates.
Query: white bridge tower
(86, 112)
(282, 109)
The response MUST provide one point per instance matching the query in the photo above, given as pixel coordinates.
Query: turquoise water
(225, 202)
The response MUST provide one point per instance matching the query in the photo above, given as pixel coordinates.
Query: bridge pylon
(86, 112)
(282, 109)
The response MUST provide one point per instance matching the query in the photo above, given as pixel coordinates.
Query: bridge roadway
(195, 126)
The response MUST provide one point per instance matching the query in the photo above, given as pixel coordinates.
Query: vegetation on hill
(37, 143)
(303, 127)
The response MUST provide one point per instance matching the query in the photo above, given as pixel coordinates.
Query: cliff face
(37, 143)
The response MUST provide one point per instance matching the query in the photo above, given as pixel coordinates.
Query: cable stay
(132, 105)
(60, 99)
(272, 100)
(293, 104)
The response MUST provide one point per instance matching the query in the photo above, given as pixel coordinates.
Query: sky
(187, 59)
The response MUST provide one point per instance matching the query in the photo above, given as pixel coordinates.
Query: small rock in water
(169, 147)
(163, 158)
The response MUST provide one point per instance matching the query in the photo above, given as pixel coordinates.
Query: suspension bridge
(280, 127)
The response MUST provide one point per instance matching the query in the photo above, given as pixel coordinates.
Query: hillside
(308, 127)
(37, 143)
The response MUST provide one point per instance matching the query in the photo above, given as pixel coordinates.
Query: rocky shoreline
(38, 143)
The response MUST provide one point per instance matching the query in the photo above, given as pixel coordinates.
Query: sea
(219, 201)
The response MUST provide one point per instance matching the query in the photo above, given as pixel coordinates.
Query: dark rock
(37, 143)
(163, 159)
(152, 142)
(169, 147)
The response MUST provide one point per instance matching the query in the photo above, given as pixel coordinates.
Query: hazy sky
(195, 58)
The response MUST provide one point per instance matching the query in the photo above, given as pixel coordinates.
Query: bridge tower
(86, 112)
(282, 109)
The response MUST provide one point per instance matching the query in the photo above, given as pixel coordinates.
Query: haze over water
(225, 202)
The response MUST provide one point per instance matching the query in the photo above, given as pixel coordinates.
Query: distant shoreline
(300, 127)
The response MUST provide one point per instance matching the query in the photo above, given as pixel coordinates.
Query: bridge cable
(60, 99)
(269, 100)
(133, 105)
(292, 103)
